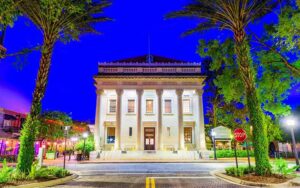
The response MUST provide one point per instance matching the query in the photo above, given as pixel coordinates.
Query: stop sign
(240, 135)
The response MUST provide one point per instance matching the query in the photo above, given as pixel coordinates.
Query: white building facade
(149, 103)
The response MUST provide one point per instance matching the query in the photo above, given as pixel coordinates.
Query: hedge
(230, 153)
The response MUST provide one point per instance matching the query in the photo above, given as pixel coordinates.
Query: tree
(235, 16)
(281, 43)
(57, 20)
(51, 123)
(273, 84)
(8, 15)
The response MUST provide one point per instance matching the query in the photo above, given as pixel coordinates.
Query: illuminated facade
(149, 103)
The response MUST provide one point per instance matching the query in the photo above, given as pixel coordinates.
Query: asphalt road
(148, 175)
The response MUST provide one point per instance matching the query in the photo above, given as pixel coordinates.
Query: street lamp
(66, 132)
(291, 122)
(213, 134)
(84, 135)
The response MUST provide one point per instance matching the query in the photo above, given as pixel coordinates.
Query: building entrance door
(149, 138)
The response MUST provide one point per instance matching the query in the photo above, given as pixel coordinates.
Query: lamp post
(66, 131)
(84, 135)
(291, 122)
(213, 134)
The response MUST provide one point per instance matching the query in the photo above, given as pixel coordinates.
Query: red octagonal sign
(240, 135)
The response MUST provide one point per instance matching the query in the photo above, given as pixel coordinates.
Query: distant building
(149, 103)
(11, 121)
(10, 127)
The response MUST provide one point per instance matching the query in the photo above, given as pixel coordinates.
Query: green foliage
(58, 172)
(26, 152)
(17, 175)
(64, 19)
(5, 172)
(8, 158)
(228, 102)
(230, 153)
(239, 172)
(47, 172)
(8, 13)
(89, 145)
(57, 20)
(281, 168)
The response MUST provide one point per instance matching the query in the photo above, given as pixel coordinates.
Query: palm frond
(235, 15)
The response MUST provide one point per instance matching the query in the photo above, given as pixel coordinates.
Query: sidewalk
(59, 161)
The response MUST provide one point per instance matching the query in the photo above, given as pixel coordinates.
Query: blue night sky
(70, 87)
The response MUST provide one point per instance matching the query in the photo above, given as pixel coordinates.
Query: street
(149, 175)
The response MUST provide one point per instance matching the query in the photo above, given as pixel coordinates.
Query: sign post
(247, 146)
(240, 135)
(235, 156)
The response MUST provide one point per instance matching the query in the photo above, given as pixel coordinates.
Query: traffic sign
(240, 135)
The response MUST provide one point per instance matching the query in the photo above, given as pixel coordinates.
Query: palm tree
(8, 15)
(235, 16)
(57, 20)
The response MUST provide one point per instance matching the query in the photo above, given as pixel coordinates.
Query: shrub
(58, 172)
(238, 172)
(18, 175)
(280, 167)
(89, 145)
(230, 153)
(47, 172)
(9, 158)
(5, 172)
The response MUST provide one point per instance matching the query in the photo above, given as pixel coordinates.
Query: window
(168, 106)
(169, 131)
(112, 106)
(188, 131)
(130, 131)
(149, 106)
(187, 106)
(110, 135)
(131, 104)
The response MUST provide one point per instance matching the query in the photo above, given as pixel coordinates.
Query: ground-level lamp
(66, 132)
(291, 123)
(84, 136)
(213, 136)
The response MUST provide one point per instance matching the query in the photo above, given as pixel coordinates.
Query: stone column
(201, 132)
(97, 120)
(179, 93)
(139, 118)
(159, 93)
(118, 119)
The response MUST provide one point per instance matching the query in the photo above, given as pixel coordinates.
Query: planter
(50, 156)
(237, 180)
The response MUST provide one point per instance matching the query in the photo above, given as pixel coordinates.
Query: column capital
(119, 92)
(199, 92)
(139, 92)
(179, 92)
(99, 91)
(159, 92)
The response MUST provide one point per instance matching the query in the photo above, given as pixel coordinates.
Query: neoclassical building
(149, 103)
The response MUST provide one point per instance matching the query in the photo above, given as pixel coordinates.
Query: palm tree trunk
(2, 37)
(256, 116)
(28, 133)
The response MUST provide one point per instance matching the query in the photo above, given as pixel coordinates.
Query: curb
(220, 174)
(49, 183)
(155, 161)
